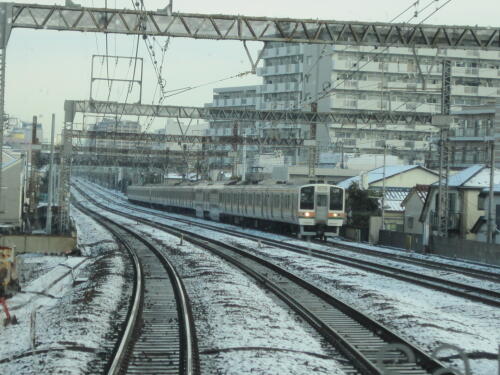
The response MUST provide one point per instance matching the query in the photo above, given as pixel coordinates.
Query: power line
(331, 91)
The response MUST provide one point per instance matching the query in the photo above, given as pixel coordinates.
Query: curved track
(472, 272)
(355, 335)
(470, 292)
(159, 335)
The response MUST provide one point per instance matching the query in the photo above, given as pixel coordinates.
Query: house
(464, 207)
(12, 193)
(480, 228)
(401, 176)
(413, 205)
(394, 211)
(399, 180)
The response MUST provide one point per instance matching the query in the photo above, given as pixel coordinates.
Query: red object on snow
(3, 302)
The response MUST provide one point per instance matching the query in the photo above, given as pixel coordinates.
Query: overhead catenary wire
(329, 92)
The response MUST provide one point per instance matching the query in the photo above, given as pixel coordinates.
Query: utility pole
(48, 223)
(244, 161)
(312, 144)
(491, 196)
(444, 166)
(4, 36)
(383, 188)
(341, 155)
(32, 189)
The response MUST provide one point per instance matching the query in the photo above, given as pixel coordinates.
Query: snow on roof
(496, 189)
(8, 159)
(422, 191)
(475, 176)
(394, 197)
(482, 179)
(378, 174)
(463, 176)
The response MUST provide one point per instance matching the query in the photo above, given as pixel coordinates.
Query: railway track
(356, 336)
(476, 273)
(159, 335)
(470, 292)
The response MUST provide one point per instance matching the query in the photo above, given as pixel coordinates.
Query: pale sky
(44, 68)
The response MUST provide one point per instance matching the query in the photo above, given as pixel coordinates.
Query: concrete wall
(465, 249)
(409, 179)
(413, 209)
(12, 194)
(375, 226)
(39, 243)
(470, 212)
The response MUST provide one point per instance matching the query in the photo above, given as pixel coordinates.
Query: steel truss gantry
(264, 29)
(212, 114)
(178, 138)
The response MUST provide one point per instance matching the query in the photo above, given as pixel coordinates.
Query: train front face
(321, 210)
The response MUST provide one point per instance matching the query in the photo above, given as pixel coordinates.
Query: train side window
(307, 198)
(336, 199)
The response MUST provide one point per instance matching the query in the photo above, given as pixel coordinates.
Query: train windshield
(307, 198)
(336, 199)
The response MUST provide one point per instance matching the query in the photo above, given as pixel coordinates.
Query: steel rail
(486, 296)
(362, 353)
(120, 353)
(188, 355)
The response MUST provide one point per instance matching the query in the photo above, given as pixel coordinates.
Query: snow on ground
(241, 328)
(412, 254)
(73, 323)
(426, 317)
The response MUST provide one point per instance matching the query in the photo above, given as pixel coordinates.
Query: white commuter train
(307, 210)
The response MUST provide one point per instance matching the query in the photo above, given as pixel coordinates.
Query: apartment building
(118, 126)
(471, 132)
(400, 79)
(359, 78)
(241, 97)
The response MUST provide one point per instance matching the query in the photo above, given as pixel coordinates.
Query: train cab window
(307, 198)
(321, 200)
(336, 199)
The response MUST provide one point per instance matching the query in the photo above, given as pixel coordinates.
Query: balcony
(280, 69)
(471, 132)
(453, 220)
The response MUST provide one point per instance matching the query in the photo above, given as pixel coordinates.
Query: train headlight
(307, 214)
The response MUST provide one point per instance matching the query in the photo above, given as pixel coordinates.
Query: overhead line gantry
(222, 27)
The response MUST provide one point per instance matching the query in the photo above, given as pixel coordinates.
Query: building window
(480, 202)
(410, 222)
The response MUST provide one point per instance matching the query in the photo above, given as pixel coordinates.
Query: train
(312, 210)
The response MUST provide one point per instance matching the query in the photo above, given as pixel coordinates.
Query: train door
(322, 203)
(283, 205)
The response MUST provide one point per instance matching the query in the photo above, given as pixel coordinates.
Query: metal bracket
(261, 53)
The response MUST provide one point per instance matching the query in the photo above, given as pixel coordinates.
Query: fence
(465, 249)
(354, 234)
(402, 240)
